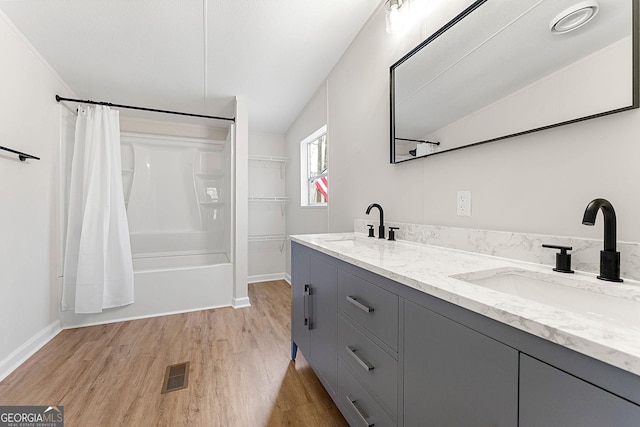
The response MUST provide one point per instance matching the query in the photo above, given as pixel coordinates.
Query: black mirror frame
(635, 75)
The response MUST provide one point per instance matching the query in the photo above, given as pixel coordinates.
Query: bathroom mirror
(499, 70)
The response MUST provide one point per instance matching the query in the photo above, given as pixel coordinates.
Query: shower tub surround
(178, 193)
(518, 246)
(428, 269)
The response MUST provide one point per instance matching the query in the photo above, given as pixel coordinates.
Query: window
(314, 169)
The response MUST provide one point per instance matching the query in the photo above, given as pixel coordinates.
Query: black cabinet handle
(307, 293)
(358, 304)
(365, 365)
(352, 403)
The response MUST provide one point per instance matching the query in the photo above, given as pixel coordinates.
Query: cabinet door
(300, 258)
(550, 397)
(323, 334)
(454, 376)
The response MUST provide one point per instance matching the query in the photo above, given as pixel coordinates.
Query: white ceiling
(194, 55)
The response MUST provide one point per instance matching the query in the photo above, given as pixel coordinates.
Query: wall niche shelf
(211, 184)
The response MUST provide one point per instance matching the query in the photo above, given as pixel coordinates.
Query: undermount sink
(604, 302)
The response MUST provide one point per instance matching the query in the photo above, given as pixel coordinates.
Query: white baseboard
(266, 277)
(287, 278)
(241, 302)
(26, 350)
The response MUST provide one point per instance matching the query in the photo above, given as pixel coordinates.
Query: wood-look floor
(240, 375)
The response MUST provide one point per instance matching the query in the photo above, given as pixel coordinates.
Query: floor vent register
(176, 377)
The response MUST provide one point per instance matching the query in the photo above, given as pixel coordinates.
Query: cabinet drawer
(372, 366)
(369, 305)
(358, 407)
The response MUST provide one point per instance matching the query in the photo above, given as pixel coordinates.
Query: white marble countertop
(429, 269)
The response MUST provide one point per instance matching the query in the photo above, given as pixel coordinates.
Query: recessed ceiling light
(574, 17)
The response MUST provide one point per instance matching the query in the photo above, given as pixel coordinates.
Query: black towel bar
(22, 156)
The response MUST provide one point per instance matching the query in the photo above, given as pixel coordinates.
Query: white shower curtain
(98, 269)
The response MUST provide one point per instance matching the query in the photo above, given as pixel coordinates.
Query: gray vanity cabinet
(390, 355)
(314, 312)
(455, 376)
(551, 397)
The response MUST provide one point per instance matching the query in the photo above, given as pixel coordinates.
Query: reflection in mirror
(499, 69)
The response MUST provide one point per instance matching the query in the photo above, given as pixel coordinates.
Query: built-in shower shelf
(269, 159)
(268, 237)
(269, 199)
(211, 204)
(127, 171)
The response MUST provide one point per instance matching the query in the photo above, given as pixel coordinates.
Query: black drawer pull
(352, 403)
(366, 365)
(305, 305)
(358, 304)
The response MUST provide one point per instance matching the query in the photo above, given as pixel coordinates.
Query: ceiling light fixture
(574, 17)
(396, 15)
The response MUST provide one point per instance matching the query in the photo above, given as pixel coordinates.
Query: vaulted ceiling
(194, 55)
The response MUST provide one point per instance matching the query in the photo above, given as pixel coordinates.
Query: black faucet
(381, 226)
(609, 257)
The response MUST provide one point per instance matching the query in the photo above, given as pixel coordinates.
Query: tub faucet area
(381, 226)
(609, 257)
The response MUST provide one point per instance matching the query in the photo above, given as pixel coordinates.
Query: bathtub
(180, 283)
(169, 283)
(175, 272)
(172, 275)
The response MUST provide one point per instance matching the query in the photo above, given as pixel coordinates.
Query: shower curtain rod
(109, 104)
